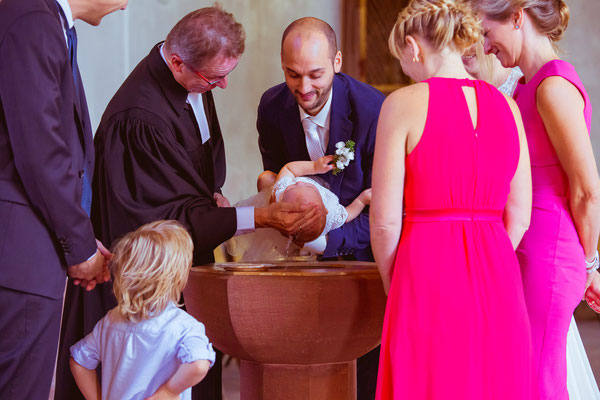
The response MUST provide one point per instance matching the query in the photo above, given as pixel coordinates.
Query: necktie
(313, 142)
(86, 190)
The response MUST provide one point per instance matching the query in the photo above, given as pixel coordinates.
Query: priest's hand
(221, 200)
(287, 218)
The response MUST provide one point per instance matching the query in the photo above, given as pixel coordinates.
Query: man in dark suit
(304, 118)
(160, 155)
(46, 158)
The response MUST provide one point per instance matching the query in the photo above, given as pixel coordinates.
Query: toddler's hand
(365, 196)
(322, 165)
(163, 393)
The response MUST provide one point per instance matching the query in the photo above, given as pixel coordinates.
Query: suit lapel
(340, 128)
(293, 133)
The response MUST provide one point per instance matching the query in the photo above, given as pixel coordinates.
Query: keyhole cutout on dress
(471, 101)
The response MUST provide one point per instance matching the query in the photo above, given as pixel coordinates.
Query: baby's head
(302, 192)
(150, 268)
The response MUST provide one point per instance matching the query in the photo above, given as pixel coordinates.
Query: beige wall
(109, 52)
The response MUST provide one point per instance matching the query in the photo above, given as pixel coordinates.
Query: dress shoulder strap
(567, 71)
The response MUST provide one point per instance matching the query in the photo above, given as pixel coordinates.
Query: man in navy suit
(304, 118)
(46, 164)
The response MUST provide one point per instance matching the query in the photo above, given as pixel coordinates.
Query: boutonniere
(344, 153)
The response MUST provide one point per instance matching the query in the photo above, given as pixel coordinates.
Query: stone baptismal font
(297, 327)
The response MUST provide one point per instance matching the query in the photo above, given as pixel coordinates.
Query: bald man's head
(310, 60)
(308, 26)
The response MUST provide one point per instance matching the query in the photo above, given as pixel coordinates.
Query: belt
(438, 215)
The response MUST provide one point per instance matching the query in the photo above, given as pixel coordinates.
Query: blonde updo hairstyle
(550, 17)
(442, 23)
(150, 268)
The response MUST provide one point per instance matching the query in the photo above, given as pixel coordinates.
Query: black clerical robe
(151, 164)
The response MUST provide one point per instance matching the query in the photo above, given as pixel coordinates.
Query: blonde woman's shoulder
(414, 91)
(409, 101)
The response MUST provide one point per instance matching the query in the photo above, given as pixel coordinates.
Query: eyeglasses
(204, 78)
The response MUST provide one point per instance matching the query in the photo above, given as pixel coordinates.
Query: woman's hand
(592, 293)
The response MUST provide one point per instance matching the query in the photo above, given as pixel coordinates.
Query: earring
(516, 26)
(414, 59)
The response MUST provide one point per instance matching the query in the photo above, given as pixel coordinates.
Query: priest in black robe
(160, 155)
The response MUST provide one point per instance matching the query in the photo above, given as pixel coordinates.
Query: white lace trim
(508, 86)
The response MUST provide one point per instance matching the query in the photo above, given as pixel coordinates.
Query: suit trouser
(366, 374)
(29, 326)
(82, 311)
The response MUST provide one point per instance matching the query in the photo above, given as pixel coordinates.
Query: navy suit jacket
(354, 113)
(45, 135)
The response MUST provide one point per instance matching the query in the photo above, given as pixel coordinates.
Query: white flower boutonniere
(343, 155)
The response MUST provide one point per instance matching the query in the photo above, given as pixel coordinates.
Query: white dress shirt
(64, 4)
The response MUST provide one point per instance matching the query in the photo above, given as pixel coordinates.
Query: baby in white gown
(294, 185)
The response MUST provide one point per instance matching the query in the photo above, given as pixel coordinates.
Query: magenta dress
(456, 324)
(551, 256)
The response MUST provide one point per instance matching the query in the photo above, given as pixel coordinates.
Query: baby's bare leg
(265, 179)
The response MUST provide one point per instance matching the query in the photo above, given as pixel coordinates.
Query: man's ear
(176, 63)
(337, 62)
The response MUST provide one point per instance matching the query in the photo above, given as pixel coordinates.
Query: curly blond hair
(550, 17)
(150, 268)
(441, 22)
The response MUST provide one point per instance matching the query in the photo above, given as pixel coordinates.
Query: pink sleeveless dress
(551, 256)
(456, 324)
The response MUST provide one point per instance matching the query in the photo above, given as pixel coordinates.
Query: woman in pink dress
(565, 222)
(450, 153)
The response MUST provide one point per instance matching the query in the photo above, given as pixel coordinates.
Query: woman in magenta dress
(565, 221)
(450, 153)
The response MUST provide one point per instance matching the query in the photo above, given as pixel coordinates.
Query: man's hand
(221, 200)
(287, 218)
(107, 257)
(88, 274)
(85, 274)
(323, 164)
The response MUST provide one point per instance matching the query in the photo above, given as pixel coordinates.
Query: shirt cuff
(92, 256)
(245, 220)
